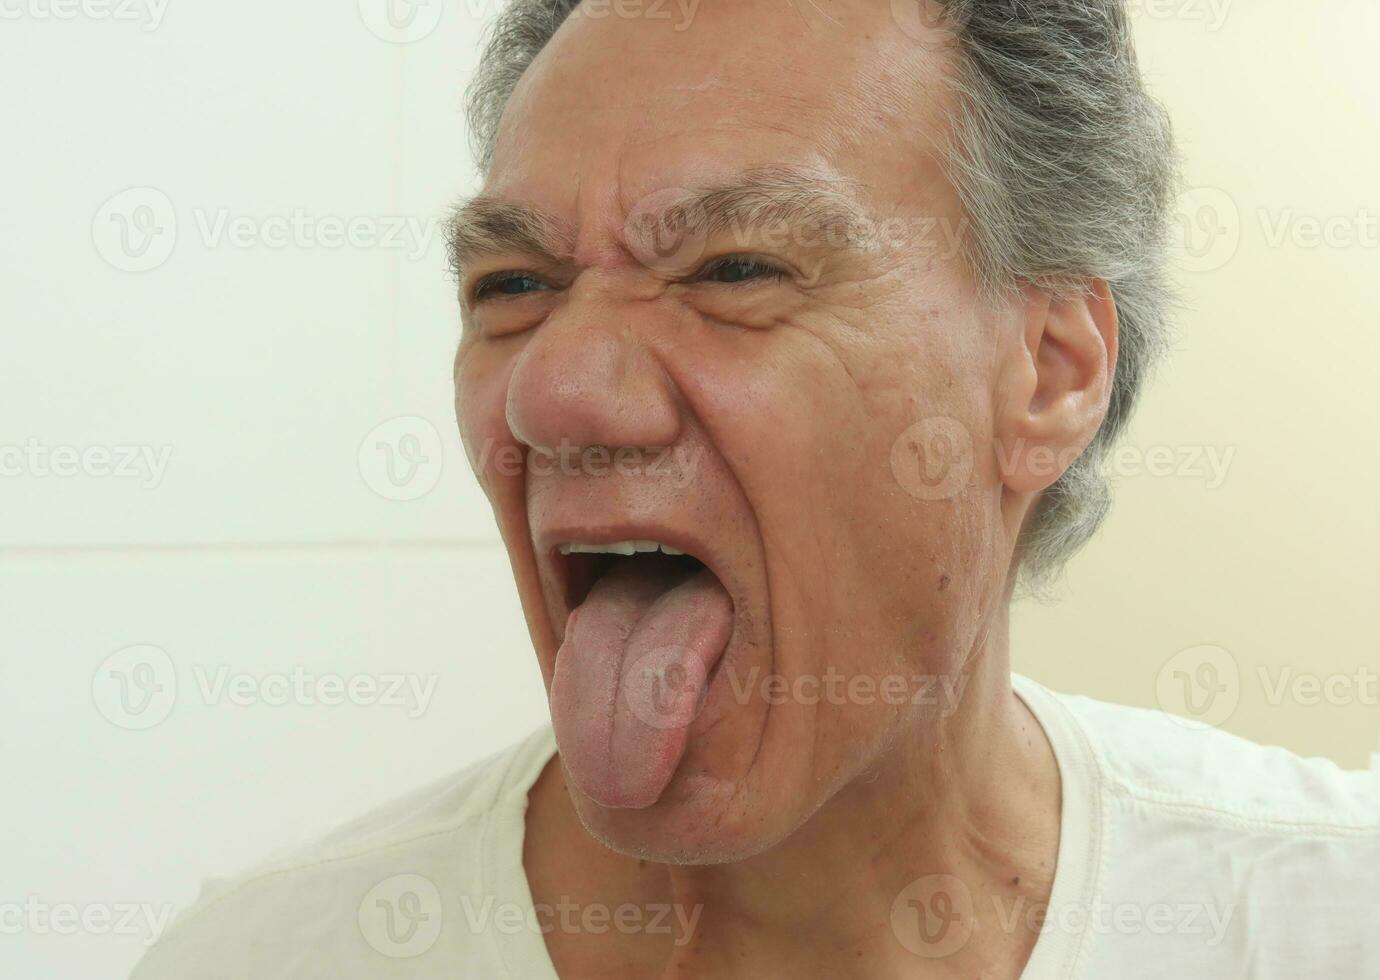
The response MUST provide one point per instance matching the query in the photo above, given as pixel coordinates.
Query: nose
(586, 378)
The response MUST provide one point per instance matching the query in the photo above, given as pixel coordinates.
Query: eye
(507, 284)
(738, 268)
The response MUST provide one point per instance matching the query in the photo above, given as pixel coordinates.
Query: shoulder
(1202, 849)
(371, 892)
(1204, 773)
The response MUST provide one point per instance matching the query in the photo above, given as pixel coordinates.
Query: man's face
(786, 378)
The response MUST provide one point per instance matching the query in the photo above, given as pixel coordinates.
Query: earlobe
(1057, 383)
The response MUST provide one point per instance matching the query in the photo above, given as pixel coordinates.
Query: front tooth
(619, 548)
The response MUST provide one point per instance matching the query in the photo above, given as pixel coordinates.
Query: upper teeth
(618, 548)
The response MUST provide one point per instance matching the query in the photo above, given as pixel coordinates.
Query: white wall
(272, 540)
(268, 536)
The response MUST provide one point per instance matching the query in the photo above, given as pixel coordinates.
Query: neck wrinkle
(974, 795)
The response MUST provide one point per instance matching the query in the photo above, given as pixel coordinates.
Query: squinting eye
(736, 269)
(507, 284)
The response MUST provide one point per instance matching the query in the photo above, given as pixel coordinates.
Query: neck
(937, 854)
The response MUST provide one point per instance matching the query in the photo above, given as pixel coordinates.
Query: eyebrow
(782, 196)
(777, 196)
(487, 226)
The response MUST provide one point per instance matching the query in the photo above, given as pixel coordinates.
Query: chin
(698, 821)
(702, 819)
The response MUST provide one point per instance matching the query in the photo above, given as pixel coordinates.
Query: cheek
(482, 373)
(856, 448)
(934, 508)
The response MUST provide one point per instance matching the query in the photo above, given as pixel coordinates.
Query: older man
(794, 332)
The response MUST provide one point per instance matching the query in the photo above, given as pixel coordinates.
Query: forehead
(618, 107)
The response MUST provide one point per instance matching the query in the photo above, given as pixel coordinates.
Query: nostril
(587, 384)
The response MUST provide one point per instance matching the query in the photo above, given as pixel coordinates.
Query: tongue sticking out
(631, 676)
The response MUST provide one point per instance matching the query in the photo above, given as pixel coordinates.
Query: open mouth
(648, 625)
(586, 564)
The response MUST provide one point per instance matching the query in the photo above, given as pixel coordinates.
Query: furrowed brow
(484, 226)
(759, 200)
(783, 199)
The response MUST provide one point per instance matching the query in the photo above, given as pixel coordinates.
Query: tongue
(631, 676)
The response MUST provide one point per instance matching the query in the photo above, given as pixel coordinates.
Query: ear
(1055, 384)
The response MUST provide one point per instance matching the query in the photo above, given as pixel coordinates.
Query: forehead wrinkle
(488, 226)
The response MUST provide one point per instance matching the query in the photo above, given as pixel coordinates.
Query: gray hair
(1062, 160)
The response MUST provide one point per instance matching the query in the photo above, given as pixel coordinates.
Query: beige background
(274, 371)
(1277, 110)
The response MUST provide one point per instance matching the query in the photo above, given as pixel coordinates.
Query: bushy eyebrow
(783, 197)
(779, 196)
(488, 226)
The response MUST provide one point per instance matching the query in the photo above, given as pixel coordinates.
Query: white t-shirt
(1185, 853)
